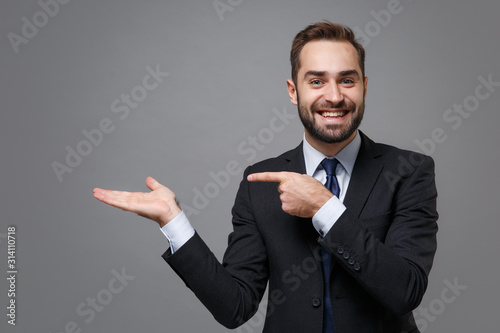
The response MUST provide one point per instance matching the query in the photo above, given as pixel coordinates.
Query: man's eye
(347, 81)
(316, 82)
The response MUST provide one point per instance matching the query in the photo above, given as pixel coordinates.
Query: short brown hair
(324, 30)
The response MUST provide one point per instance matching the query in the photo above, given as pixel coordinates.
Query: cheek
(355, 97)
(313, 98)
(309, 97)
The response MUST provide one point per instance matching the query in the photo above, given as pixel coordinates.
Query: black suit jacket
(382, 250)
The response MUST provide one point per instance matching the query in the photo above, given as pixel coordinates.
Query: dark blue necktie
(329, 165)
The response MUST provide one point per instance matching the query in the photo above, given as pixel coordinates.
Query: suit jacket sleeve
(231, 291)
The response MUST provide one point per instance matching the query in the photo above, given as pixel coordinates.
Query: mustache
(329, 105)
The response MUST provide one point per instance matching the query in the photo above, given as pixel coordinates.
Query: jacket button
(357, 267)
(316, 302)
(346, 255)
(351, 261)
(340, 250)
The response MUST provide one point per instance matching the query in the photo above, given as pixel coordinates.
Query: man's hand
(158, 205)
(301, 195)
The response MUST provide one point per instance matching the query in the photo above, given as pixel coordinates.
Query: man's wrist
(163, 221)
(321, 201)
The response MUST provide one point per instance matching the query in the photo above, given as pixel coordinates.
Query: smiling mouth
(333, 114)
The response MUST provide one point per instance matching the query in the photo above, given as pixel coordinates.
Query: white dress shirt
(179, 230)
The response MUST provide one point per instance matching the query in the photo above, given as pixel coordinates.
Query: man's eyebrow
(349, 72)
(315, 73)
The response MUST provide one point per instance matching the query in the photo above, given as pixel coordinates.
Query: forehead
(329, 56)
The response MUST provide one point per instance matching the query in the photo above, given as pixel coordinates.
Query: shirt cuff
(326, 216)
(178, 231)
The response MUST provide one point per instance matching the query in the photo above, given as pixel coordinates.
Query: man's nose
(333, 94)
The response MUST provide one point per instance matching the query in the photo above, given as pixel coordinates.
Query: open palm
(158, 205)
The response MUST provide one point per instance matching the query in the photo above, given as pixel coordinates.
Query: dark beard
(334, 133)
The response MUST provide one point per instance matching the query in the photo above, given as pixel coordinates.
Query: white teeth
(333, 114)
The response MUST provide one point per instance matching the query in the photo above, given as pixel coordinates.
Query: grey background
(226, 77)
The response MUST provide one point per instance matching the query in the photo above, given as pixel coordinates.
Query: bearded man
(344, 236)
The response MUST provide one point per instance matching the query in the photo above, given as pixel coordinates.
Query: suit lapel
(364, 176)
(295, 160)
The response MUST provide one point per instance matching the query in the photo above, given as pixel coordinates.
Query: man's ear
(366, 84)
(292, 91)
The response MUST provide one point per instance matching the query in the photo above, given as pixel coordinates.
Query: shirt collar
(346, 157)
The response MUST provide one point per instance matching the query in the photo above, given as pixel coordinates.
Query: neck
(328, 149)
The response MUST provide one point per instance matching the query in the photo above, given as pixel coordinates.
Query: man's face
(330, 91)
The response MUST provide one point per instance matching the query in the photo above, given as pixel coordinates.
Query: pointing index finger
(276, 177)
